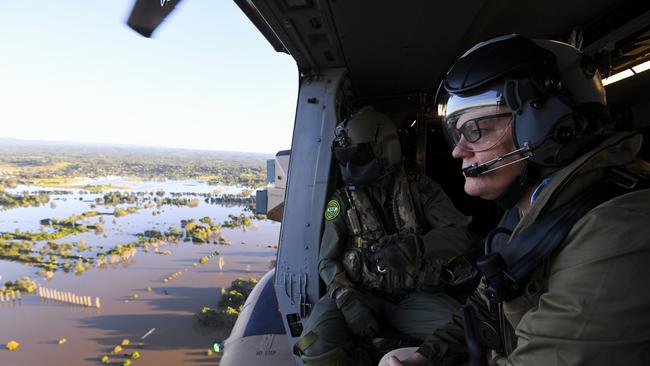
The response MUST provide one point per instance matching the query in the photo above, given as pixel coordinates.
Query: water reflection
(134, 298)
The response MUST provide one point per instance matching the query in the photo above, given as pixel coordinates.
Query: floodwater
(169, 308)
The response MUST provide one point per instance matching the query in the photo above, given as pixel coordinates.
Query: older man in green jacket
(566, 276)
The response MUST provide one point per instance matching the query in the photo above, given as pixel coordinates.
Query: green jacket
(590, 303)
(447, 235)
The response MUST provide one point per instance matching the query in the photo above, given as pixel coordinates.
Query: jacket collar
(619, 148)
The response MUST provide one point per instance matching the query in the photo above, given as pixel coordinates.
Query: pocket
(352, 264)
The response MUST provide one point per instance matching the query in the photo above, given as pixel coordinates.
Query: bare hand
(415, 360)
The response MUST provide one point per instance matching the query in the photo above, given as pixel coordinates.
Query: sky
(73, 71)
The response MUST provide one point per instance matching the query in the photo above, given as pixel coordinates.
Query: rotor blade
(147, 15)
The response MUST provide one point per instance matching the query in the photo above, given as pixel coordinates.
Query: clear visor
(476, 122)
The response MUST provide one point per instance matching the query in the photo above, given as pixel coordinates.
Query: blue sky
(73, 71)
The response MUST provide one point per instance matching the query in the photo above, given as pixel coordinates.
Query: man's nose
(459, 153)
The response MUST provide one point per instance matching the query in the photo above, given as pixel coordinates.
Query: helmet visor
(358, 154)
(476, 122)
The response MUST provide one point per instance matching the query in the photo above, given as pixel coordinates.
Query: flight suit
(409, 300)
(588, 305)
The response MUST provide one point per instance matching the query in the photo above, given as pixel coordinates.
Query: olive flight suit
(408, 300)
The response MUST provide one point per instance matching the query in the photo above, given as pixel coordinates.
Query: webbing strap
(533, 245)
(304, 342)
(528, 249)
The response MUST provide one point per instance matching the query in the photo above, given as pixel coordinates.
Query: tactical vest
(365, 228)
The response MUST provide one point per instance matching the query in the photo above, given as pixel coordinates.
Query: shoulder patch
(332, 209)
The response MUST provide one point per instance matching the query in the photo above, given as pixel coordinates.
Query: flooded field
(148, 292)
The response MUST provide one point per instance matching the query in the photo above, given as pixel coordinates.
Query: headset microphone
(477, 169)
(474, 170)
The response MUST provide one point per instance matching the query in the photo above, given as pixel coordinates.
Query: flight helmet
(366, 147)
(549, 92)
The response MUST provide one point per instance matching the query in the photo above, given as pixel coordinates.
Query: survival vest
(367, 231)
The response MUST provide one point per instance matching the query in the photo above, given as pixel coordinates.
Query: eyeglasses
(477, 134)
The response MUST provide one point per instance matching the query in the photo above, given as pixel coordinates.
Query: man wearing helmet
(385, 240)
(565, 275)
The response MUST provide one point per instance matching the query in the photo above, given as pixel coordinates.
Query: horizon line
(113, 144)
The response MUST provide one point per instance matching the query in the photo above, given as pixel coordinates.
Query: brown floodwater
(90, 333)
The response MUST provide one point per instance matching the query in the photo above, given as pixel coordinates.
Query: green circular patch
(332, 210)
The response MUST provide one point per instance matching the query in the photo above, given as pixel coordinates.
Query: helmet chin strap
(530, 176)
(386, 175)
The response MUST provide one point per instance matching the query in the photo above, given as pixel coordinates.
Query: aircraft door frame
(296, 277)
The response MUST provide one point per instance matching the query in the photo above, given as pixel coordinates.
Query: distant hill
(12, 146)
(32, 160)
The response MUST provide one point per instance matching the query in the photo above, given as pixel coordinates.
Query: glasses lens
(477, 130)
(474, 121)
(470, 131)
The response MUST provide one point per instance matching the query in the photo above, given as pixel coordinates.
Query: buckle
(623, 177)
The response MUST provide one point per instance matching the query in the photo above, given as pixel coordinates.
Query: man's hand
(357, 314)
(398, 252)
(415, 360)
